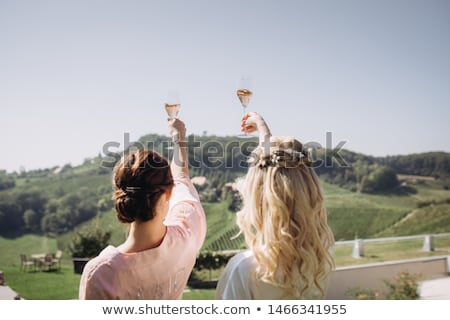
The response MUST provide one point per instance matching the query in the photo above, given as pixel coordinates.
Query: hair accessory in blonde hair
(284, 159)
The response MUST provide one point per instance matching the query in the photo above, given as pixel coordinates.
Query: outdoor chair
(57, 258)
(26, 263)
(49, 261)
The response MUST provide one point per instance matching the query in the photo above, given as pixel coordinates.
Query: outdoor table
(38, 259)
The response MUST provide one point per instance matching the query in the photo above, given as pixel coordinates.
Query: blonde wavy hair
(284, 220)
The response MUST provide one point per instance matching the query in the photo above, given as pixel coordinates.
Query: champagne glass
(172, 106)
(244, 93)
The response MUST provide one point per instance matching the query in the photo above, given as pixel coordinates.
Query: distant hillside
(359, 172)
(57, 200)
(435, 164)
(434, 218)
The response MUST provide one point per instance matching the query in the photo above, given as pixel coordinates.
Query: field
(63, 284)
(351, 215)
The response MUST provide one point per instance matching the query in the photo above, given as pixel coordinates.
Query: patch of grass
(219, 220)
(431, 219)
(199, 294)
(27, 244)
(66, 182)
(389, 251)
(43, 285)
(350, 214)
(63, 284)
(363, 222)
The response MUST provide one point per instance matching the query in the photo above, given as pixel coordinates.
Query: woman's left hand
(177, 129)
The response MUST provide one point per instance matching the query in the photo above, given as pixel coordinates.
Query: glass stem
(244, 108)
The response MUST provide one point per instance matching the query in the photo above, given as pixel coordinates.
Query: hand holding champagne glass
(244, 93)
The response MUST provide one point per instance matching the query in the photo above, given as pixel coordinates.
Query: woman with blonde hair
(284, 223)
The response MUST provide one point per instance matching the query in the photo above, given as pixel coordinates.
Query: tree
(89, 242)
(6, 181)
(211, 260)
(379, 180)
(32, 220)
(68, 211)
(32, 199)
(10, 216)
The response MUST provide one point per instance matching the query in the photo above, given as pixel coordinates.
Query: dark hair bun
(140, 178)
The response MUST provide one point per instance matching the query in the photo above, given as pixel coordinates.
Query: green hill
(431, 219)
(52, 203)
(350, 215)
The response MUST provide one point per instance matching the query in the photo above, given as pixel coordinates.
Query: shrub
(211, 260)
(404, 287)
(362, 294)
(380, 180)
(89, 242)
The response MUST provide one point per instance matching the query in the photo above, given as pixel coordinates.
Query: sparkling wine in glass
(244, 93)
(244, 96)
(172, 106)
(172, 110)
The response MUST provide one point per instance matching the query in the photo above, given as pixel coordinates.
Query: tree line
(362, 173)
(42, 207)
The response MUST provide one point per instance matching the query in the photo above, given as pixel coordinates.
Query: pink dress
(158, 273)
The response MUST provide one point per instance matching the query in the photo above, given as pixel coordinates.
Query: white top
(239, 282)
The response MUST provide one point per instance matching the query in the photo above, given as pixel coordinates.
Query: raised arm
(177, 131)
(254, 122)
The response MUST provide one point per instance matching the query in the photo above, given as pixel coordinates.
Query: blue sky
(75, 75)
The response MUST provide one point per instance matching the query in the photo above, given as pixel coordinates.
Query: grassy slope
(368, 216)
(431, 219)
(353, 214)
(350, 214)
(221, 227)
(45, 285)
(29, 244)
(67, 182)
(63, 284)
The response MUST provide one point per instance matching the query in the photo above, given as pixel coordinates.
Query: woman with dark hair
(167, 228)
